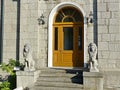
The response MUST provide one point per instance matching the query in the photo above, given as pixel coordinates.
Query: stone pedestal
(26, 78)
(93, 81)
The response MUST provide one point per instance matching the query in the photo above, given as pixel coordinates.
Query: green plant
(9, 67)
(5, 86)
(10, 83)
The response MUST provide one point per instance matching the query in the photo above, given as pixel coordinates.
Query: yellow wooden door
(68, 45)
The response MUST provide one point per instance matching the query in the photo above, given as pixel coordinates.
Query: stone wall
(109, 34)
(112, 79)
(10, 27)
(106, 31)
(29, 32)
(109, 42)
(27, 29)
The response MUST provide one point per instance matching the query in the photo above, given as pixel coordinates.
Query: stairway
(59, 79)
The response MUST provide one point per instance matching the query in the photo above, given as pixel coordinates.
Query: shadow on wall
(18, 30)
(95, 22)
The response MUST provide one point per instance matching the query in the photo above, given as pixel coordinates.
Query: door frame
(50, 28)
(58, 52)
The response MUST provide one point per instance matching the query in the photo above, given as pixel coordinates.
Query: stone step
(55, 88)
(59, 79)
(53, 71)
(58, 75)
(70, 71)
(58, 84)
(74, 79)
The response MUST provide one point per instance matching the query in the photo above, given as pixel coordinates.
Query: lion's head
(92, 47)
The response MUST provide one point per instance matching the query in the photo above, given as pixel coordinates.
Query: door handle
(60, 50)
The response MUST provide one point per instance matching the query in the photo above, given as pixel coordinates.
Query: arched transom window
(69, 14)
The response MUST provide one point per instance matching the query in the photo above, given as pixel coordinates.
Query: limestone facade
(105, 31)
(37, 35)
(20, 25)
(109, 34)
(27, 29)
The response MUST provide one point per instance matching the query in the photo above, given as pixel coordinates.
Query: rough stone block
(105, 37)
(115, 14)
(99, 37)
(102, 7)
(113, 6)
(103, 46)
(33, 1)
(112, 79)
(99, 15)
(106, 14)
(111, 47)
(33, 6)
(101, 21)
(105, 54)
(24, 1)
(100, 1)
(102, 29)
(111, 1)
(114, 29)
(93, 81)
(100, 55)
(114, 22)
(113, 37)
(103, 64)
(24, 14)
(24, 6)
(26, 78)
(114, 55)
(118, 37)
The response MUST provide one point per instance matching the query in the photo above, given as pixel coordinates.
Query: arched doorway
(50, 28)
(68, 38)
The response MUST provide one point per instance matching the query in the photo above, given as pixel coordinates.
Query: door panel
(56, 45)
(56, 59)
(67, 58)
(56, 38)
(80, 45)
(68, 43)
(68, 50)
(68, 38)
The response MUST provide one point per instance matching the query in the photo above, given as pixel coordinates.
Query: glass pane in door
(56, 39)
(68, 38)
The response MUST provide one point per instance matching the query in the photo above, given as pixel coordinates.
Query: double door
(68, 46)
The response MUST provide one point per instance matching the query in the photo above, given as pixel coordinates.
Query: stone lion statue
(28, 59)
(93, 63)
